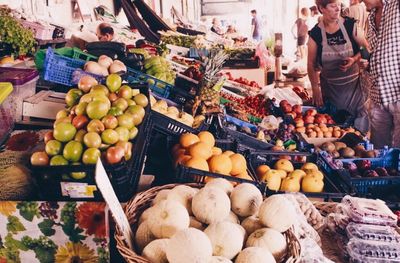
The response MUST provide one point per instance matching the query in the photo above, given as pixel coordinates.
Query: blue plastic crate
(157, 86)
(363, 185)
(197, 52)
(60, 69)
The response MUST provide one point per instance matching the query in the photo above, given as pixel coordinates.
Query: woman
(302, 32)
(216, 27)
(333, 50)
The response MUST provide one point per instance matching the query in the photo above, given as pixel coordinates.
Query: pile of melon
(218, 223)
(199, 152)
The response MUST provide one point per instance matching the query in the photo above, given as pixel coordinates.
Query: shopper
(105, 32)
(255, 26)
(357, 11)
(332, 55)
(216, 27)
(314, 17)
(384, 68)
(302, 32)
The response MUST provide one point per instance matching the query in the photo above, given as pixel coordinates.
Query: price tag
(77, 190)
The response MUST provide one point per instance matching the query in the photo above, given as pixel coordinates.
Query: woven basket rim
(135, 207)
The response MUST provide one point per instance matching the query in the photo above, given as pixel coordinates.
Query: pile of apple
(302, 93)
(323, 131)
(242, 80)
(173, 112)
(363, 168)
(100, 122)
(283, 177)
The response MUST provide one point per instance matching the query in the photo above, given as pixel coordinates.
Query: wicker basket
(135, 207)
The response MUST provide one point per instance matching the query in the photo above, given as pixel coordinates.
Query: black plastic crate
(362, 186)
(123, 176)
(242, 63)
(332, 190)
(389, 193)
(189, 175)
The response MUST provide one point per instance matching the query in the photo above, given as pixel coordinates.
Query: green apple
(73, 151)
(53, 147)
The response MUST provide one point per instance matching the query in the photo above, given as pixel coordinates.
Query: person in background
(314, 17)
(357, 11)
(231, 30)
(384, 70)
(202, 24)
(105, 32)
(302, 32)
(255, 26)
(216, 27)
(333, 53)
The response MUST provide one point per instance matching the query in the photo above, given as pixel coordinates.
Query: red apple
(297, 109)
(311, 112)
(308, 119)
(283, 102)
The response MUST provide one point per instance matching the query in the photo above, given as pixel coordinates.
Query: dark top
(256, 23)
(302, 28)
(336, 38)
(215, 31)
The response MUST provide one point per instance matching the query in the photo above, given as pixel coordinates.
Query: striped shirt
(385, 56)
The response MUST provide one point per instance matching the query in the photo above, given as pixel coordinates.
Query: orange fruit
(188, 139)
(197, 163)
(178, 152)
(244, 175)
(216, 151)
(228, 153)
(207, 137)
(239, 164)
(181, 159)
(261, 170)
(200, 149)
(220, 164)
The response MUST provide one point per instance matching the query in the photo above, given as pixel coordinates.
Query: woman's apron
(342, 89)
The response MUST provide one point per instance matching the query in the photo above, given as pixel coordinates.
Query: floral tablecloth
(48, 232)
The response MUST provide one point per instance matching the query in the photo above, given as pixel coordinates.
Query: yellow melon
(207, 137)
(200, 149)
(239, 164)
(220, 164)
(197, 163)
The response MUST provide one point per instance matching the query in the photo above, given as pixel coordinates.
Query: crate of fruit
(60, 69)
(157, 86)
(170, 120)
(361, 174)
(65, 168)
(194, 159)
(293, 172)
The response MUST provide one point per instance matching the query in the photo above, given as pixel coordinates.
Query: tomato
(109, 136)
(91, 155)
(133, 133)
(115, 154)
(141, 100)
(62, 114)
(80, 109)
(115, 111)
(97, 109)
(100, 89)
(92, 140)
(120, 103)
(72, 97)
(127, 146)
(64, 132)
(126, 120)
(95, 126)
(112, 97)
(123, 133)
(58, 160)
(53, 147)
(110, 122)
(79, 135)
(113, 82)
(39, 159)
(125, 92)
(80, 121)
(48, 136)
(136, 109)
(73, 151)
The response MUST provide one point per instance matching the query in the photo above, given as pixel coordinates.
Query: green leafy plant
(12, 32)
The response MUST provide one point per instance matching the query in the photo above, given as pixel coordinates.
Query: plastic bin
(331, 190)
(157, 86)
(79, 54)
(60, 69)
(124, 176)
(6, 111)
(363, 185)
(24, 83)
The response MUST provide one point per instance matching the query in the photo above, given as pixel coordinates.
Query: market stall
(175, 149)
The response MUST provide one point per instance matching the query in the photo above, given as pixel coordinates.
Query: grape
(68, 212)
(49, 209)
